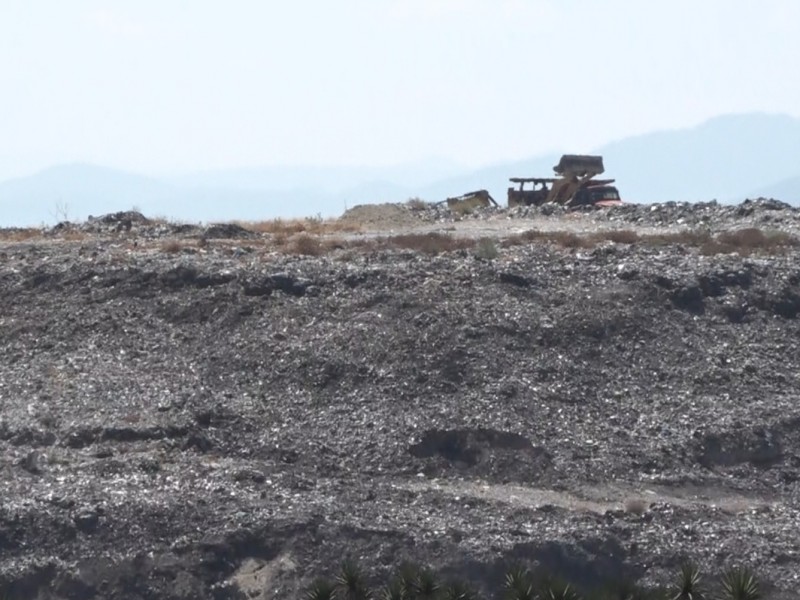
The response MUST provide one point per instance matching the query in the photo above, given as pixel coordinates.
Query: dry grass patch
(565, 239)
(691, 237)
(619, 236)
(430, 243)
(289, 227)
(757, 239)
(16, 234)
(73, 235)
(743, 241)
(749, 241)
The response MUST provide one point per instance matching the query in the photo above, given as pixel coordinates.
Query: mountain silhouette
(727, 158)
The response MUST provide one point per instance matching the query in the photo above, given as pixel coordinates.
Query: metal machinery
(575, 185)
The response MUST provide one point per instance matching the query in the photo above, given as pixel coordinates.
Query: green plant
(626, 589)
(393, 591)
(689, 585)
(350, 582)
(518, 584)
(407, 574)
(459, 591)
(563, 592)
(321, 589)
(551, 588)
(426, 586)
(740, 584)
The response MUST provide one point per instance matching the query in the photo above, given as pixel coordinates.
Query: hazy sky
(168, 85)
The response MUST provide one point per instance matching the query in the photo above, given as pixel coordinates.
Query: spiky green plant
(518, 584)
(350, 582)
(321, 589)
(689, 584)
(559, 591)
(459, 591)
(549, 587)
(393, 591)
(426, 586)
(625, 589)
(407, 576)
(740, 584)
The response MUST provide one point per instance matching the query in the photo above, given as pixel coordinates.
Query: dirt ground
(200, 412)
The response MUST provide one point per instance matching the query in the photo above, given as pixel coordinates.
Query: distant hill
(79, 190)
(724, 158)
(727, 158)
(75, 191)
(787, 190)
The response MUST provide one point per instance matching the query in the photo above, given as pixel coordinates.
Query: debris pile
(211, 424)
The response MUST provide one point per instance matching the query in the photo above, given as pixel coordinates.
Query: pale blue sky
(160, 86)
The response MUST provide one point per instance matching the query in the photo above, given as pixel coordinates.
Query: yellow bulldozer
(575, 185)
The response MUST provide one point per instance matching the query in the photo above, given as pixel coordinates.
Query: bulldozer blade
(579, 165)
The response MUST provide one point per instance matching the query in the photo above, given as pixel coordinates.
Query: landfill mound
(203, 421)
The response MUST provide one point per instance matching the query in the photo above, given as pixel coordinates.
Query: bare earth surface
(188, 412)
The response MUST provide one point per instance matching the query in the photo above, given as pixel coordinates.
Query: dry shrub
(276, 226)
(781, 238)
(743, 238)
(171, 246)
(430, 243)
(280, 240)
(754, 238)
(748, 241)
(416, 204)
(465, 207)
(567, 239)
(346, 257)
(307, 245)
(332, 244)
(486, 249)
(636, 506)
(519, 239)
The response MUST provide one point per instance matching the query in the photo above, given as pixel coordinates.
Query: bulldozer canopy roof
(533, 179)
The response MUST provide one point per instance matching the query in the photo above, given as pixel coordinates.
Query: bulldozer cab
(530, 191)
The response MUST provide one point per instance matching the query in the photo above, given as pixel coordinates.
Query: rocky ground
(189, 413)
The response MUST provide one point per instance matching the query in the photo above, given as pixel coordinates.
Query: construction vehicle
(470, 201)
(576, 185)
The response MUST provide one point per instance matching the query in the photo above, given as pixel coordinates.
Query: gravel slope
(224, 421)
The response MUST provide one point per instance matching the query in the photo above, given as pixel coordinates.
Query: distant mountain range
(728, 158)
